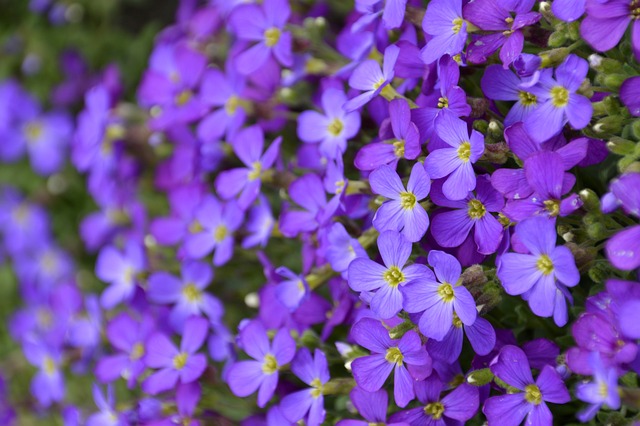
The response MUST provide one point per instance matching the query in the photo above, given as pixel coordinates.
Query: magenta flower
(407, 357)
(455, 163)
(246, 181)
(331, 129)
(308, 403)
(543, 274)
(443, 301)
(264, 25)
(367, 275)
(261, 373)
(183, 365)
(402, 212)
(369, 78)
(513, 368)
(444, 22)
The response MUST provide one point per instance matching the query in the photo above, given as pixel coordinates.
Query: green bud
(310, 340)
(399, 330)
(573, 30)
(599, 109)
(599, 272)
(474, 276)
(605, 65)
(597, 231)
(480, 377)
(481, 126)
(554, 57)
(590, 200)
(591, 218)
(621, 146)
(495, 130)
(634, 167)
(557, 39)
(614, 81)
(611, 125)
(635, 129)
(628, 164)
(497, 153)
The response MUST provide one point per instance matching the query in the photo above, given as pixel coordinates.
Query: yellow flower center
(407, 200)
(33, 131)
(393, 276)
(457, 25)
(232, 105)
(220, 233)
(195, 227)
(634, 9)
(532, 394)
(270, 365)
(398, 148)
(435, 410)
(456, 321)
(443, 102)
(114, 132)
(256, 170)
(183, 97)
(603, 390)
(464, 151)
(272, 36)
(394, 356)
(559, 96)
(378, 83)
(552, 206)
(445, 291)
(316, 384)
(191, 293)
(49, 365)
(180, 360)
(335, 127)
(476, 209)
(527, 99)
(544, 264)
(137, 351)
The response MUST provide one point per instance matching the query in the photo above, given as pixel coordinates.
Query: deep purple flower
(246, 181)
(455, 163)
(407, 357)
(129, 337)
(183, 365)
(542, 275)
(399, 136)
(451, 227)
(512, 367)
(120, 270)
(444, 22)
(630, 95)
(366, 275)
(369, 78)
(331, 129)
(187, 295)
(246, 377)
(392, 12)
(402, 212)
(602, 390)
(606, 23)
(370, 405)
(507, 20)
(443, 301)
(214, 231)
(623, 249)
(265, 25)
(559, 102)
(308, 403)
(481, 335)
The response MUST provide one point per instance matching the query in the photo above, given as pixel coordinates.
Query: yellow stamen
(393, 276)
(445, 291)
(180, 360)
(544, 264)
(464, 151)
(435, 410)
(394, 356)
(532, 394)
(272, 36)
(559, 96)
(476, 210)
(407, 200)
(192, 293)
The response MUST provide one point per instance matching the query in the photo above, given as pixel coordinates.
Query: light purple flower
(120, 270)
(606, 23)
(603, 390)
(444, 22)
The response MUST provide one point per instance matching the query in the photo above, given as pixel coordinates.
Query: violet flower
(603, 390)
(512, 367)
(444, 22)
(623, 249)
(402, 212)
(370, 405)
(630, 95)
(407, 357)
(108, 416)
(120, 270)
(606, 23)
(260, 374)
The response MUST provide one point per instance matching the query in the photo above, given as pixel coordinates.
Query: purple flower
(48, 383)
(559, 102)
(130, 338)
(512, 367)
(503, 85)
(443, 302)
(448, 97)
(293, 290)
(444, 22)
(568, 10)
(307, 402)
(120, 270)
(455, 163)
(402, 212)
(370, 405)
(602, 390)
(481, 335)
(216, 224)
(342, 249)
(246, 377)
(259, 224)
(451, 227)
(366, 275)
(606, 23)
(248, 145)
(182, 365)
(392, 13)
(108, 416)
(630, 95)
(264, 25)
(184, 202)
(187, 294)
(331, 130)
(623, 249)
(507, 20)
(407, 357)
(400, 139)
(369, 78)
(454, 409)
(543, 274)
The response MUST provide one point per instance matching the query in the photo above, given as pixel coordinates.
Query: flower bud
(590, 200)
(621, 146)
(480, 377)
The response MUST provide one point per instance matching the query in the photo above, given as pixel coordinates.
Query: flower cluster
(302, 209)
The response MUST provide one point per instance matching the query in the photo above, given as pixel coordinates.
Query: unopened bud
(557, 39)
(614, 81)
(590, 201)
(480, 377)
(399, 330)
(611, 124)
